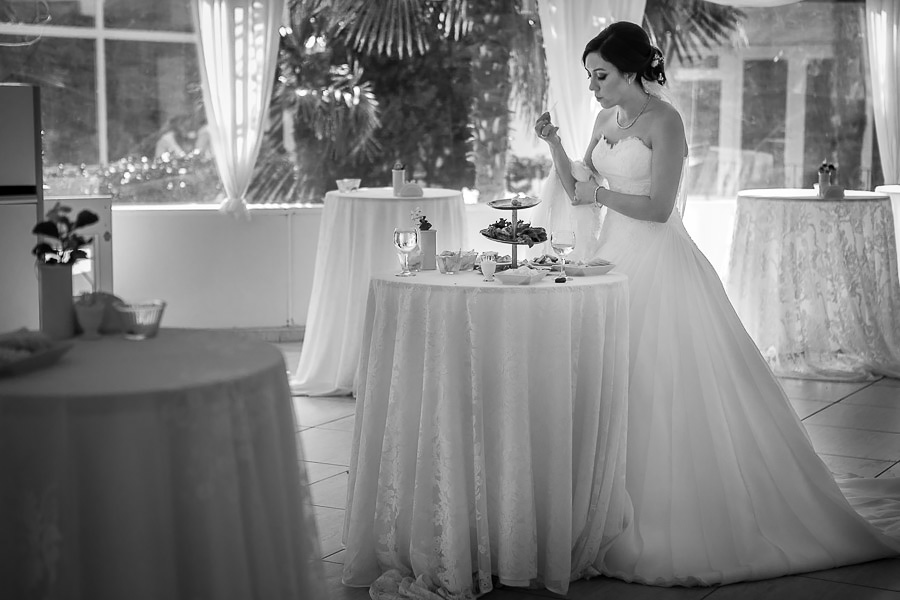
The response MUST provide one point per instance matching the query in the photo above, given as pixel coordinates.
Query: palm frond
(528, 68)
(686, 29)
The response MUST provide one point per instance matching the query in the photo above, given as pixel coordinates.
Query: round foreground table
(815, 282)
(355, 241)
(165, 468)
(490, 430)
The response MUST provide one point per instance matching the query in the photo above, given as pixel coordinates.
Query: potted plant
(59, 247)
(427, 249)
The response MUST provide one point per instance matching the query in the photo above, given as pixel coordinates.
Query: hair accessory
(658, 59)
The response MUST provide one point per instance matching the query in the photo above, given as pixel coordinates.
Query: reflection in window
(168, 15)
(158, 141)
(76, 13)
(65, 70)
(794, 92)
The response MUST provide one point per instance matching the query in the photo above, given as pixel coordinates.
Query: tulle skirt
(723, 478)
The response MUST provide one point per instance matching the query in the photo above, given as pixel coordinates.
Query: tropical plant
(685, 29)
(502, 48)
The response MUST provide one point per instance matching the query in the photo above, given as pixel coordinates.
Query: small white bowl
(588, 270)
(514, 278)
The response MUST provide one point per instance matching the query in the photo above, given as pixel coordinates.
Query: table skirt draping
(166, 468)
(355, 241)
(816, 285)
(490, 431)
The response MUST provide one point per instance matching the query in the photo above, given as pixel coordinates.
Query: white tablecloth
(815, 282)
(355, 241)
(893, 191)
(490, 430)
(166, 468)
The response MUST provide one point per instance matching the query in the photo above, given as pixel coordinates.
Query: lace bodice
(625, 164)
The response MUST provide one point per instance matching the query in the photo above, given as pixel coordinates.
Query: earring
(629, 79)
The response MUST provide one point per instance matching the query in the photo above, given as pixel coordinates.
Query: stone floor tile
(325, 445)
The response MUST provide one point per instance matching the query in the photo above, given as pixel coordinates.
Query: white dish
(513, 278)
(36, 360)
(587, 271)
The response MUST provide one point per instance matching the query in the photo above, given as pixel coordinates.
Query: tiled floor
(855, 427)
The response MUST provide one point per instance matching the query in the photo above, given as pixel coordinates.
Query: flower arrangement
(419, 220)
(826, 167)
(63, 244)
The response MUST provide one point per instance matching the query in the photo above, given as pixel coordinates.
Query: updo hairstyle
(627, 46)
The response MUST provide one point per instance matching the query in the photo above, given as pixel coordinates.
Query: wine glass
(405, 240)
(563, 243)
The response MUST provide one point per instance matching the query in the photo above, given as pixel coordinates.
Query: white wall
(215, 270)
(220, 272)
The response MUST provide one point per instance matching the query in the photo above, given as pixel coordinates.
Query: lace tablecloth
(490, 431)
(815, 282)
(164, 469)
(355, 241)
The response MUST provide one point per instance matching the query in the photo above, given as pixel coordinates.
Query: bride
(723, 480)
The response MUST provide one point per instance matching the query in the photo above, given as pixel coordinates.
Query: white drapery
(238, 47)
(883, 30)
(753, 3)
(567, 25)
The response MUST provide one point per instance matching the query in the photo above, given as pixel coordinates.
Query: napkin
(597, 262)
(411, 190)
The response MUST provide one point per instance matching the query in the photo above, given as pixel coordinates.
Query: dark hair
(627, 46)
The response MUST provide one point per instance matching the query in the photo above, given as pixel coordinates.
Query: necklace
(633, 121)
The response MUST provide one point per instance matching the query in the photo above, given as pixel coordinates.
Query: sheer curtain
(883, 29)
(567, 25)
(238, 47)
(753, 3)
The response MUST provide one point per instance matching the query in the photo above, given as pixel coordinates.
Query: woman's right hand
(546, 130)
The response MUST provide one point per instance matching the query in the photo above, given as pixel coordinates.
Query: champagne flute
(405, 240)
(563, 243)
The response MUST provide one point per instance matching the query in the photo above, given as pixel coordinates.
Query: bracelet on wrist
(596, 201)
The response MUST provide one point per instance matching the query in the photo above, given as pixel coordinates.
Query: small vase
(428, 248)
(398, 178)
(90, 317)
(824, 182)
(57, 310)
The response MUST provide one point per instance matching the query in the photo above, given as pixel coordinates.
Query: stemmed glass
(563, 243)
(405, 240)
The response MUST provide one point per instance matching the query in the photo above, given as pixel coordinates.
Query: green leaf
(75, 255)
(41, 249)
(84, 219)
(46, 228)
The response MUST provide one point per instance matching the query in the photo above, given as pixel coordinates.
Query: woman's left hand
(584, 192)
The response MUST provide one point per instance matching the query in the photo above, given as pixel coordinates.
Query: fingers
(541, 122)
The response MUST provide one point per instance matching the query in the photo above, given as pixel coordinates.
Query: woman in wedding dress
(724, 482)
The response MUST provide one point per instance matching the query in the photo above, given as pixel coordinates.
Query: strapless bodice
(625, 164)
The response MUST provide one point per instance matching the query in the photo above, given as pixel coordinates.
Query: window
(768, 111)
(120, 87)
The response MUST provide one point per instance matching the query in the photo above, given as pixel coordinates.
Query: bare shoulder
(602, 117)
(666, 126)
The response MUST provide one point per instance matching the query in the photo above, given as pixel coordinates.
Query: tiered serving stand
(514, 204)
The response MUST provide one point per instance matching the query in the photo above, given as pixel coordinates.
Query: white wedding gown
(724, 481)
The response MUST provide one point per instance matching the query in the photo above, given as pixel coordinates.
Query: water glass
(405, 240)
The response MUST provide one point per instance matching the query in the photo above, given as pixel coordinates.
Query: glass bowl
(140, 320)
(348, 185)
(448, 263)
